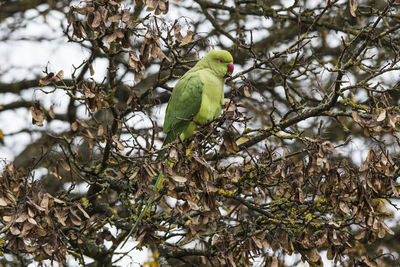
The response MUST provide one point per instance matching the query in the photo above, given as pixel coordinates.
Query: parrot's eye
(221, 60)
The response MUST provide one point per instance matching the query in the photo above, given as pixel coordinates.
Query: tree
(276, 174)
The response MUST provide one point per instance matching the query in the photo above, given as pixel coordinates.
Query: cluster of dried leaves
(34, 221)
(295, 206)
(380, 120)
(120, 28)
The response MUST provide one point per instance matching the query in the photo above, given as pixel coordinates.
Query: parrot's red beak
(230, 68)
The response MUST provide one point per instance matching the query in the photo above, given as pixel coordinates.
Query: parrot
(198, 95)
(196, 99)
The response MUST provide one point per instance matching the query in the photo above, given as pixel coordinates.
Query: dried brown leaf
(82, 123)
(356, 117)
(151, 5)
(61, 216)
(179, 179)
(177, 33)
(392, 119)
(91, 70)
(22, 217)
(44, 203)
(59, 76)
(344, 207)
(96, 19)
(48, 79)
(31, 213)
(353, 7)
(120, 146)
(360, 235)
(40, 231)
(87, 92)
(65, 165)
(114, 3)
(38, 115)
(299, 195)
(323, 240)
(133, 175)
(394, 189)
(51, 112)
(26, 228)
(115, 18)
(75, 219)
(14, 230)
(314, 255)
(3, 202)
(74, 126)
(89, 134)
(246, 91)
(100, 130)
(32, 221)
(163, 6)
(370, 221)
(126, 14)
(229, 143)
(77, 29)
(387, 229)
(83, 211)
(192, 204)
(111, 37)
(188, 38)
(382, 115)
(119, 33)
(69, 15)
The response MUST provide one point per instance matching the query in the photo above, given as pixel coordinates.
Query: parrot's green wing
(184, 104)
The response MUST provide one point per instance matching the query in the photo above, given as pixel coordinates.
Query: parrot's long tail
(157, 186)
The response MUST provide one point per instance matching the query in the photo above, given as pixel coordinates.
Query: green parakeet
(198, 95)
(196, 98)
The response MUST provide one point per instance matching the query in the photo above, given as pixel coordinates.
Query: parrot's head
(220, 61)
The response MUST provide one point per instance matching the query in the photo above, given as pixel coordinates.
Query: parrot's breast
(213, 91)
